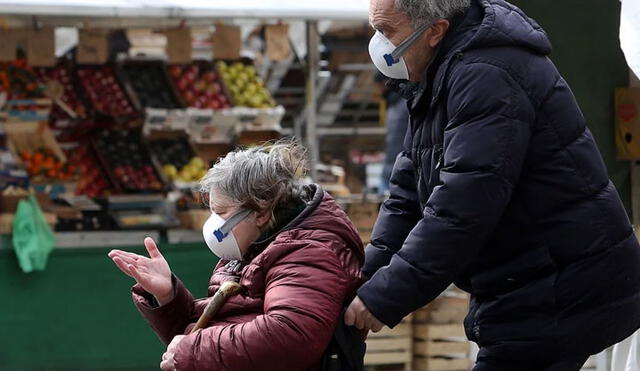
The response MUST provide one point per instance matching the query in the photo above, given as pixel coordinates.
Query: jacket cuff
(160, 317)
(372, 294)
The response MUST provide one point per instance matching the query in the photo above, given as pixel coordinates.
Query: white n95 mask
(388, 58)
(219, 237)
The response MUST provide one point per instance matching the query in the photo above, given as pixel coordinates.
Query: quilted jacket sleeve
(303, 299)
(170, 319)
(398, 215)
(485, 143)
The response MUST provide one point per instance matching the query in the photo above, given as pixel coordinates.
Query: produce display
(20, 81)
(70, 96)
(104, 91)
(178, 161)
(246, 87)
(92, 114)
(92, 182)
(128, 160)
(45, 163)
(199, 85)
(149, 81)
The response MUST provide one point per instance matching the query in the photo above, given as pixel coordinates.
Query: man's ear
(436, 32)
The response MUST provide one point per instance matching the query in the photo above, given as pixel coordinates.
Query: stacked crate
(391, 347)
(439, 339)
(363, 214)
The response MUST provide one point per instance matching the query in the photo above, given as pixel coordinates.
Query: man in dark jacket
(500, 190)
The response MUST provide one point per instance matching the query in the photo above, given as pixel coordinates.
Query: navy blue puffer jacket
(501, 190)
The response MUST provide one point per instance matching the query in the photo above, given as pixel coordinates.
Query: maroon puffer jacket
(293, 295)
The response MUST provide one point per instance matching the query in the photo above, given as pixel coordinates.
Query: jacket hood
(324, 213)
(504, 24)
(486, 24)
(320, 212)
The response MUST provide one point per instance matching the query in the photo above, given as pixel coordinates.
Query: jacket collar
(312, 196)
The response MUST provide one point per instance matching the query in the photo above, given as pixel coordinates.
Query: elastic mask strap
(230, 223)
(395, 55)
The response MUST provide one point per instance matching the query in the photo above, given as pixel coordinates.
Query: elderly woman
(290, 246)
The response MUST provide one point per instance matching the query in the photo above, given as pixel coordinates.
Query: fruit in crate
(128, 160)
(246, 87)
(149, 81)
(199, 85)
(20, 81)
(69, 95)
(104, 92)
(193, 171)
(92, 181)
(44, 163)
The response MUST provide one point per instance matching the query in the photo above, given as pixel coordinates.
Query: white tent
(193, 9)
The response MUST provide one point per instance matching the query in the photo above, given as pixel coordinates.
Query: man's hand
(358, 315)
(168, 363)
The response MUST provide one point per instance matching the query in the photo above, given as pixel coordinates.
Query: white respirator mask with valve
(388, 58)
(219, 237)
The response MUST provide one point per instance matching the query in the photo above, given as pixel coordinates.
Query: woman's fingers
(125, 258)
(134, 273)
(122, 265)
(152, 248)
(129, 255)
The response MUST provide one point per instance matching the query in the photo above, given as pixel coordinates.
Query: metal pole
(313, 59)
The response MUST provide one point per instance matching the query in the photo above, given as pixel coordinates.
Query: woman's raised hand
(152, 273)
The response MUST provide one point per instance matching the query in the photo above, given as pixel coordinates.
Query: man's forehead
(382, 11)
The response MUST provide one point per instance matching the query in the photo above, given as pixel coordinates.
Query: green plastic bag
(33, 239)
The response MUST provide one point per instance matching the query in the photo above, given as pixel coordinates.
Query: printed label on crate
(627, 102)
(178, 119)
(209, 126)
(156, 119)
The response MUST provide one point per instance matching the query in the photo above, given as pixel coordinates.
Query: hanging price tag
(227, 41)
(93, 47)
(277, 40)
(179, 45)
(41, 47)
(8, 45)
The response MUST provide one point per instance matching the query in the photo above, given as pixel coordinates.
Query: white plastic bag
(626, 354)
(630, 33)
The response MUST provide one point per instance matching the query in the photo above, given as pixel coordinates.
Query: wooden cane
(227, 290)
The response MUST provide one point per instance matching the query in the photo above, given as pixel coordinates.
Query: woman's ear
(262, 219)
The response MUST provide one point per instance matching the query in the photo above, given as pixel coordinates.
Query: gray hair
(429, 11)
(259, 178)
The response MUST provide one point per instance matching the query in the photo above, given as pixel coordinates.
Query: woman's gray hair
(259, 178)
(429, 11)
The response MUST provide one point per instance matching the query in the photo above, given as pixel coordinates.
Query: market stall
(110, 116)
(111, 112)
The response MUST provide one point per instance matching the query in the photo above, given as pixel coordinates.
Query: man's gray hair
(259, 178)
(429, 11)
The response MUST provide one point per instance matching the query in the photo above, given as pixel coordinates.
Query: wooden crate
(446, 309)
(391, 346)
(439, 339)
